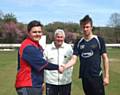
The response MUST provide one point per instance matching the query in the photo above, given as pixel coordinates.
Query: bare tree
(10, 17)
(115, 23)
(1, 17)
(114, 20)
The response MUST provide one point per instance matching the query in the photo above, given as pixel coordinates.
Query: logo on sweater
(87, 54)
(82, 46)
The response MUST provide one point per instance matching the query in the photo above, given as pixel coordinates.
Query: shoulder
(28, 49)
(24, 45)
(67, 46)
(48, 47)
(98, 38)
(101, 39)
(26, 42)
(67, 49)
(78, 41)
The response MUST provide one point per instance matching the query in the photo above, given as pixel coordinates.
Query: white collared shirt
(58, 56)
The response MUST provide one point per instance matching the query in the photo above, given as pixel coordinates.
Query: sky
(49, 11)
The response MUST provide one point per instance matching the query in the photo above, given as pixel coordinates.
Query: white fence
(10, 47)
(113, 45)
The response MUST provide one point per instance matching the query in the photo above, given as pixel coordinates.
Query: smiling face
(59, 39)
(86, 25)
(35, 33)
(87, 29)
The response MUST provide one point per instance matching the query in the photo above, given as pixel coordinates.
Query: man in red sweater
(31, 63)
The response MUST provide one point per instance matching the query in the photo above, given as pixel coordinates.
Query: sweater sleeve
(34, 58)
(102, 45)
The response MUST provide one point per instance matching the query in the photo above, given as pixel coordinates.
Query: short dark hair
(33, 24)
(85, 20)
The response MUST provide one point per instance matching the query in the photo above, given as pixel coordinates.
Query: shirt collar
(53, 45)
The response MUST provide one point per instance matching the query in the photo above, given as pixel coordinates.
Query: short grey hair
(59, 31)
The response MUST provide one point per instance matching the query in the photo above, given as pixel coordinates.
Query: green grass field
(8, 65)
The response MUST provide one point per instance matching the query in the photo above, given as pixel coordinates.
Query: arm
(106, 68)
(35, 59)
(51, 66)
(105, 61)
(72, 60)
(69, 64)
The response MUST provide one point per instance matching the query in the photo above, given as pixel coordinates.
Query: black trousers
(58, 89)
(29, 91)
(93, 86)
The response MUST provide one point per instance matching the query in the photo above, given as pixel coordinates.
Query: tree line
(13, 31)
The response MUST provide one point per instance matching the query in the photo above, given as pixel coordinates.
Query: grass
(8, 65)
(8, 61)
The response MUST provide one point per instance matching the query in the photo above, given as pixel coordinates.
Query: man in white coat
(58, 52)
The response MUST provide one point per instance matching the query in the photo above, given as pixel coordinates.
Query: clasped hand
(61, 68)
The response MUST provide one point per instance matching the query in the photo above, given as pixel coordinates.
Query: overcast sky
(48, 11)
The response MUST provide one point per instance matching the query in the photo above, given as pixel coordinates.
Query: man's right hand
(61, 68)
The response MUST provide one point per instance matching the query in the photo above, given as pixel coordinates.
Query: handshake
(61, 68)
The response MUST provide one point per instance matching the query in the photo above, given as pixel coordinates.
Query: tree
(71, 30)
(115, 23)
(9, 17)
(1, 18)
(1, 15)
(115, 20)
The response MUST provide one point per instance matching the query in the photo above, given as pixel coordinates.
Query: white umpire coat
(58, 56)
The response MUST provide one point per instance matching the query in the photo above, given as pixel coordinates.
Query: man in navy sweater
(90, 49)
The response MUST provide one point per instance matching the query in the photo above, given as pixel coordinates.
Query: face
(35, 33)
(59, 39)
(87, 29)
